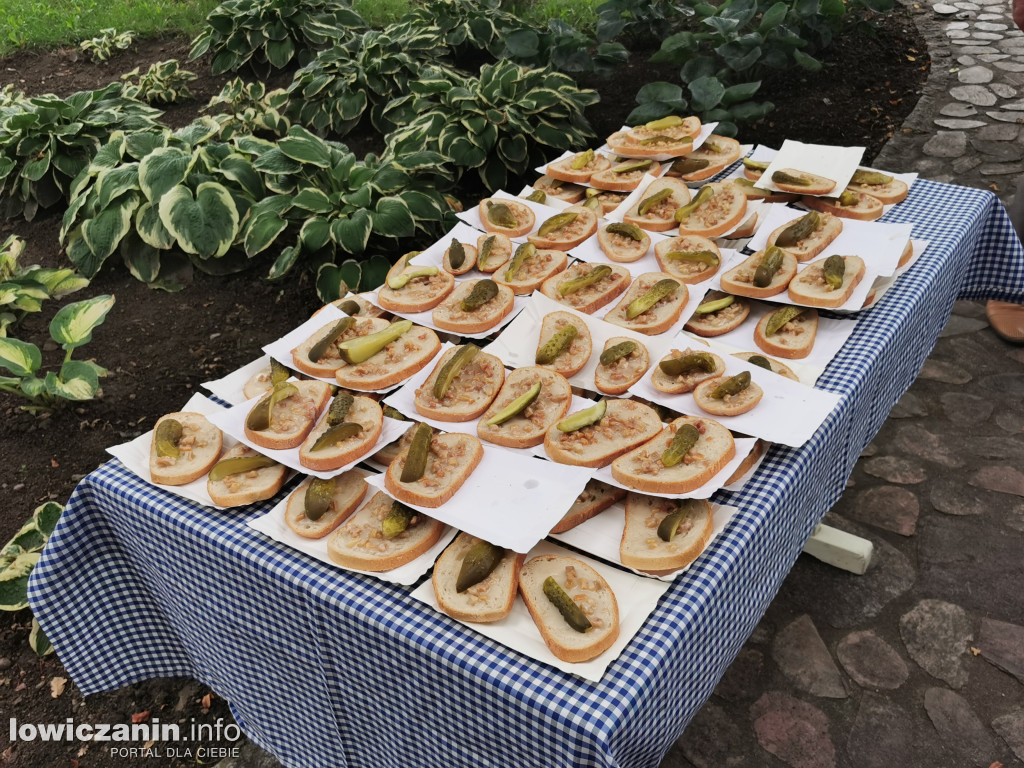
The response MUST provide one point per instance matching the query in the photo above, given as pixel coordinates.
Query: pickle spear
(760, 361)
(732, 386)
(572, 613)
(501, 215)
(485, 251)
(620, 350)
(574, 284)
(695, 361)
(400, 281)
(517, 406)
(665, 122)
(583, 418)
(755, 165)
(456, 254)
(633, 165)
(451, 369)
(685, 438)
(318, 350)
(694, 257)
(350, 307)
(580, 161)
(168, 434)
(649, 202)
(482, 292)
(523, 253)
(537, 196)
(632, 231)
(339, 408)
(278, 373)
(798, 230)
(870, 178)
(392, 413)
(362, 348)
(556, 345)
(686, 165)
(670, 523)
(705, 194)
(780, 317)
(556, 222)
(771, 263)
(336, 434)
(835, 270)
(794, 180)
(237, 464)
(593, 203)
(481, 559)
(714, 305)
(657, 292)
(319, 495)
(261, 415)
(419, 450)
(398, 518)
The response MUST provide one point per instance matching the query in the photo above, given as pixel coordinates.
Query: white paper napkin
(230, 388)
(832, 162)
(550, 200)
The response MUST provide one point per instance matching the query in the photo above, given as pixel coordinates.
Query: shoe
(1007, 320)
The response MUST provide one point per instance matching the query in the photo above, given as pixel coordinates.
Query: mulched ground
(159, 347)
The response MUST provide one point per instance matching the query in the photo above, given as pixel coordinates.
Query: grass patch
(380, 13)
(578, 13)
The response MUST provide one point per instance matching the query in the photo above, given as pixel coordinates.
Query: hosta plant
(504, 123)
(247, 108)
(267, 35)
(103, 46)
(24, 289)
(75, 380)
(163, 83)
(46, 141)
(562, 47)
(467, 25)
(709, 98)
(640, 21)
(9, 96)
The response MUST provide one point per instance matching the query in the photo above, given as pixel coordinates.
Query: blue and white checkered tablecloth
(327, 668)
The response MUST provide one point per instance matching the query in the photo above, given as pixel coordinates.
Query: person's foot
(1007, 320)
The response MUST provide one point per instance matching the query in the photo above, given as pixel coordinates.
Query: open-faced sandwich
(390, 452)
(717, 314)
(728, 395)
(572, 606)
(768, 363)
(595, 436)
(881, 186)
(595, 498)
(802, 182)
(578, 168)
(382, 536)
(319, 506)
(459, 257)
(560, 190)
(566, 229)
(184, 448)
(587, 287)
(263, 380)
(746, 186)
(475, 580)
(664, 534)
(529, 267)
(652, 304)
(355, 305)
(670, 136)
(461, 386)
(710, 158)
(851, 204)
(434, 467)
(807, 236)
(387, 357)
(688, 258)
(715, 210)
(318, 355)
(347, 432)
(763, 274)
(656, 209)
(530, 401)
(787, 332)
(564, 344)
(506, 217)
(493, 252)
(474, 306)
(622, 364)
(626, 175)
(623, 243)
(283, 417)
(243, 476)
(682, 370)
(828, 282)
(607, 199)
(688, 452)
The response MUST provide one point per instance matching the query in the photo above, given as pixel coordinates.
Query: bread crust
(867, 207)
(358, 544)
(199, 448)
(828, 229)
(777, 367)
(527, 428)
(677, 385)
(808, 287)
(593, 297)
(331, 362)
(713, 324)
(238, 490)
(658, 318)
(621, 248)
(450, 461)
(525, 219)
(572, 360)
(571, 235)
(819, 185)
(534, 271)
(570, 193)
(624, 372)
(661, 216)
(365, 412)
(393, 364)
(562, 170)
(257, 384)
(468, 263)
(688, 272)
(642, 469)
(449, 315)
(349, 490)
(717, 216)
(475, 604)
(730, 405)
(501, 251)
(623, 181)
(484, 371)
(739, 280)
(785, 344)
(418, 295)
(888, 194)
(625, 425)
(719, 151)
(641, 547)
(301, 411)
(760, 446)
(627, 143)
(595, 498)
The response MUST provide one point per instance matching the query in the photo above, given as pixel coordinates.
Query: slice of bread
(684, 382)
(622, 248)
(863, 208)
(625, 425)
(747, 228)
(776, 366)
(246, 487)
(468, 261)
(642, 141)
(592, 297)
(730, 405)
(390, 452)
(625, 176)
(560, 190)
(623, 373)
(688, 271)
(726, 208)
(893, 192)
(450, 316)
(739, 280)
(760, 446)
(488, 600)
(258, 384)
(641, 546)
(642, 468)
(360, 542)
(808, 184)
(532, 272)
(718, 152)
(365, 307)
(292, 418)
(810, 288)
(394, 364)
(349, 490)
(198, 447)
(418, 295)
(450, 461)
(659, 216)
(330, 363)
(907, 255)
(522, 213)
(563, 170)
(527, 428)
(756, 193)
(660, 317)
(805, 249)
(578, 352)
(595, 498)
(469, 394)
(494, 257)
(571, 234)
(609, 200)
(588, 590)
(365, 412)
(793, 341)
(710, 324)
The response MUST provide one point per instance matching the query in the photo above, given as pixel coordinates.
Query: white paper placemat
(883, 284)
(832, 162)
(550, 200)
(230, 388)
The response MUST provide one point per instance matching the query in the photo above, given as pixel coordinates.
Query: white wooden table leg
(841, 549)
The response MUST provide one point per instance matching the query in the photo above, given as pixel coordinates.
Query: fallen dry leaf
(207, 700)
(996, 764)
(20, 687)
(140, 717)
(53, 463)
(975, 651)
(83, 749)
(6, 754)
(57, 686)
(149, 744)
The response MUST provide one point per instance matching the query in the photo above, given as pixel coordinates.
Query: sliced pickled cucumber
(755, 165)
(594, 204)
(732, 386)
(336, 434)
(848, 198)
(714, 305)
(556, 222)
(714, 146)
(350, 307)
(648, 203)
(581, 160)
(660, 290)
(398, 519)
(780, 317)
(537, 196)
(451, 369)
(319, 497)
(318, 350)
(584, 418)
(635, 165)
(792, 179)
(485, 251)
(500, 215)
(398, 282)
(798, 230)
(870, 178)
(261, 415)
(665, 122)
(239, 464)
(700, 257)
(662, 139)
(670, 523)
(481, 559)
(694, 361)
(685, 438)
(523, 253)
(771, 263)
(760, 361)
(618, 351)
(748, 189)
(632, 231)
(516, 407)
(558, 344)
(339, 409)
(419, 450)
(456, 254)
(688, 165)
(393, 413)
(362, 348)
(168, 435)
(572, 613)
(482, 292)
(835, 270)
(278, 372)
(574, 284)
(684, 212)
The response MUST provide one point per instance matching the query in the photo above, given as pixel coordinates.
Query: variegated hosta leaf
(352, 233)
(77, 381)
(205, 225)
(330, 285)
(20, 357)
(14, 582)
(261, 231)
(393, 219)
(151, 229)
(45, 517)
(284, 262)
(59, 282)
(304, 147)
(104, 232)
(315, 233)
(29, 538)
(161, 170)
(116, 181)
(73, 324)
(38, 641)
(110, 154)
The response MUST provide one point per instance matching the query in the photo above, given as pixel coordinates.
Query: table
(327, 668)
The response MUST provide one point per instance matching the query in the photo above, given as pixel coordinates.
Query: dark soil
(159, 346)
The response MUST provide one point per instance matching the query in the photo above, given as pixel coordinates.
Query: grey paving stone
(975, 75)
(994, 448)
(896, 469)
(792, 730)
(712, 739)
(978, 95)
(1011, 728)
(947, 143)
(882, 735)
(986, 36)
(947, 373)
(935, 634)
(943, 9)
(957, 34)
(1004, 151)
(965, 164)
(1009, 66)
(988, 26)
(1000, 132)
(1006, 117)
(919, 442)
(970, 47)
(967, 308)
(999, 479)
(909, 406)
(1003, 91)
(968, 6)
(871, 662)
(763, 632)
(745, 677)
(1002, 644)
(801, 654)
(1011, 384)
(1014, 518)
(958, 25)
(990, 17)
(869, 450)
(951, 497)
(959, 125)
(990, 58)
(1010, 422)
(965, 408)
(1002, 169)
(958, 727)
(957, 324)
(966, 61)
(888, 507)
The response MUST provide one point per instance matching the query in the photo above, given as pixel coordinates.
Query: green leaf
(735, 94)
(645, 113)
(109, 155)
(151, 229)
(659, 91)
(73, 324)
(393, 219)
(113, 183)
(706, 93)
(103, 233)
(280, 52)
(14, 582)
(374, 271)
(284, 262)
(773, 17)
(809, 63)
(141, 258)
(205, 225)
(28, 539)
(304, 147)
(161, 170)
(330, 285)
(36, 168)
(77, 381)
(313, 200)
(141, 143)
(261, 231)
(315, 233)
(352, 233)
(38, 641)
